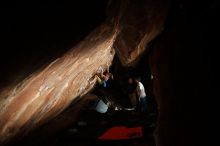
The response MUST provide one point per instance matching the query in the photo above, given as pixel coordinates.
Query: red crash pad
(121, 133)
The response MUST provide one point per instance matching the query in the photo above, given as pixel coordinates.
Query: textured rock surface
(140, 22)
(48, 92)
(179, 62)
(45, 94)
(49, 130)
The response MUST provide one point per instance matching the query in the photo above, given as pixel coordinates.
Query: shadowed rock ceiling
(52, 51)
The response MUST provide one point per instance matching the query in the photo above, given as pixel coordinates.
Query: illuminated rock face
(178, 60)
(46, 93)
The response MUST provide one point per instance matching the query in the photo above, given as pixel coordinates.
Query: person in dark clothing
(131, 92)
(103, 80)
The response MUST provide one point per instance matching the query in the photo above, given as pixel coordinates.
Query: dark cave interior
(35, 33)
(42, 31)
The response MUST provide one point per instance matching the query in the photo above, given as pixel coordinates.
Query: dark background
(33, 33)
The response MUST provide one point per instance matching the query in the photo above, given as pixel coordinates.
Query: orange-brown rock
(140, 22)
(48, 92)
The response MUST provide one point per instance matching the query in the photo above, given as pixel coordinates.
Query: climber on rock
(103, 81)
(104, 77)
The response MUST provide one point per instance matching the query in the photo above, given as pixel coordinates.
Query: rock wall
(181, 61)
(129, 29)
(46, 93)
(139, 22)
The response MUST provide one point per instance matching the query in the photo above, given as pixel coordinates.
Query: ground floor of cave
(113, 128)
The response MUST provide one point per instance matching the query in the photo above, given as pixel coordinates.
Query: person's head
(130, 80)
(137, 79)
(108, 76)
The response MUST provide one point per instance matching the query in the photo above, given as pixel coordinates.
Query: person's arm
(98, 79)
(102, 75)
